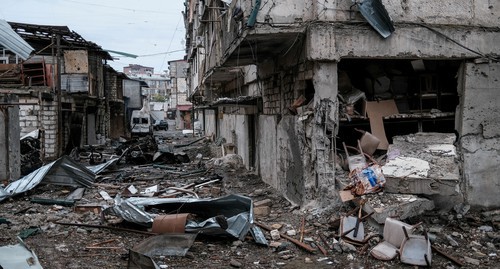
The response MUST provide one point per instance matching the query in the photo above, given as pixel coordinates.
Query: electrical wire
(456, 42)
(117, 7)
(170, 44)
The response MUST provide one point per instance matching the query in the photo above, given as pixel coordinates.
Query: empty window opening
(417, 96)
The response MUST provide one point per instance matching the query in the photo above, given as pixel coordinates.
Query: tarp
(10, 40)
(64, 171)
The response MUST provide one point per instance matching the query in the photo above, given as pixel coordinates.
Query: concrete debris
(174, 208)
(401, 206)
(426, 164)
(230, 161)
(235, 263)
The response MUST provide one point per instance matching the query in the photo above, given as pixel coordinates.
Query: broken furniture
(352, 228)
(393, 239)
(364, 178)
(416, 249)
(368, 142)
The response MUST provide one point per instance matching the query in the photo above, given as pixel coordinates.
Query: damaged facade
(64, 88)
(316, 70)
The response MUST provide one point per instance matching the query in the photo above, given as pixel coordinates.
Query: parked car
(162, 125)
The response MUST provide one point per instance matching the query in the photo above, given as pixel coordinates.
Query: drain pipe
(253, 15)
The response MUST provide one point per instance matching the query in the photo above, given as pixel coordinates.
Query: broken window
(409, 95)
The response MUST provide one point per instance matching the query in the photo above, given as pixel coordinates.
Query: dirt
(62, 246)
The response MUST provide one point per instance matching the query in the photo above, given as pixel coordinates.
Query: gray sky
(140, 27)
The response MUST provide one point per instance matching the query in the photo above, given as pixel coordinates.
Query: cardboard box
(375, 111)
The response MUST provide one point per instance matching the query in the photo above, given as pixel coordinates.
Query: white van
(140, 123)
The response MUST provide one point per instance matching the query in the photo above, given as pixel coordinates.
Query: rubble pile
(159, 205)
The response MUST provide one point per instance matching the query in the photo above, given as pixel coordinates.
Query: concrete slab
(398, 206)
(424, 164)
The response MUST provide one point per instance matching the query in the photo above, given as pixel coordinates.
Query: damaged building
(287, 82)
(63, 87)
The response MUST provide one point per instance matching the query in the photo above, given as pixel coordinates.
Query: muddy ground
(472, 238)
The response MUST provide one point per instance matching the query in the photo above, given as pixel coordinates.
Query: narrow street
(249, 134)
(62, 235)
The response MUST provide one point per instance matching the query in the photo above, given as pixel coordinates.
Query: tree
(158, 98)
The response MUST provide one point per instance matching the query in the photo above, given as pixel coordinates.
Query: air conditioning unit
(199, 41)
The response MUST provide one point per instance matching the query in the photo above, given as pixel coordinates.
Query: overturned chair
(412, 249)
(393, 239)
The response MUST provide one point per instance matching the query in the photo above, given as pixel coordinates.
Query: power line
(117, 7)
(172, 39)
(160, 53)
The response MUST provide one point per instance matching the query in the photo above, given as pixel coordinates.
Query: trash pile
(166, 205)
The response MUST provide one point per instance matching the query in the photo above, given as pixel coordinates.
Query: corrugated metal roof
(10, 40)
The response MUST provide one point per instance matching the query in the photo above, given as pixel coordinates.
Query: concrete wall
(267, 150)
(234, 128)
(460, 12)
(279, 156)
(210, 122)
(10, 153)
(406, 42)
(288, 11)
(289, 168)
(480, 132)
